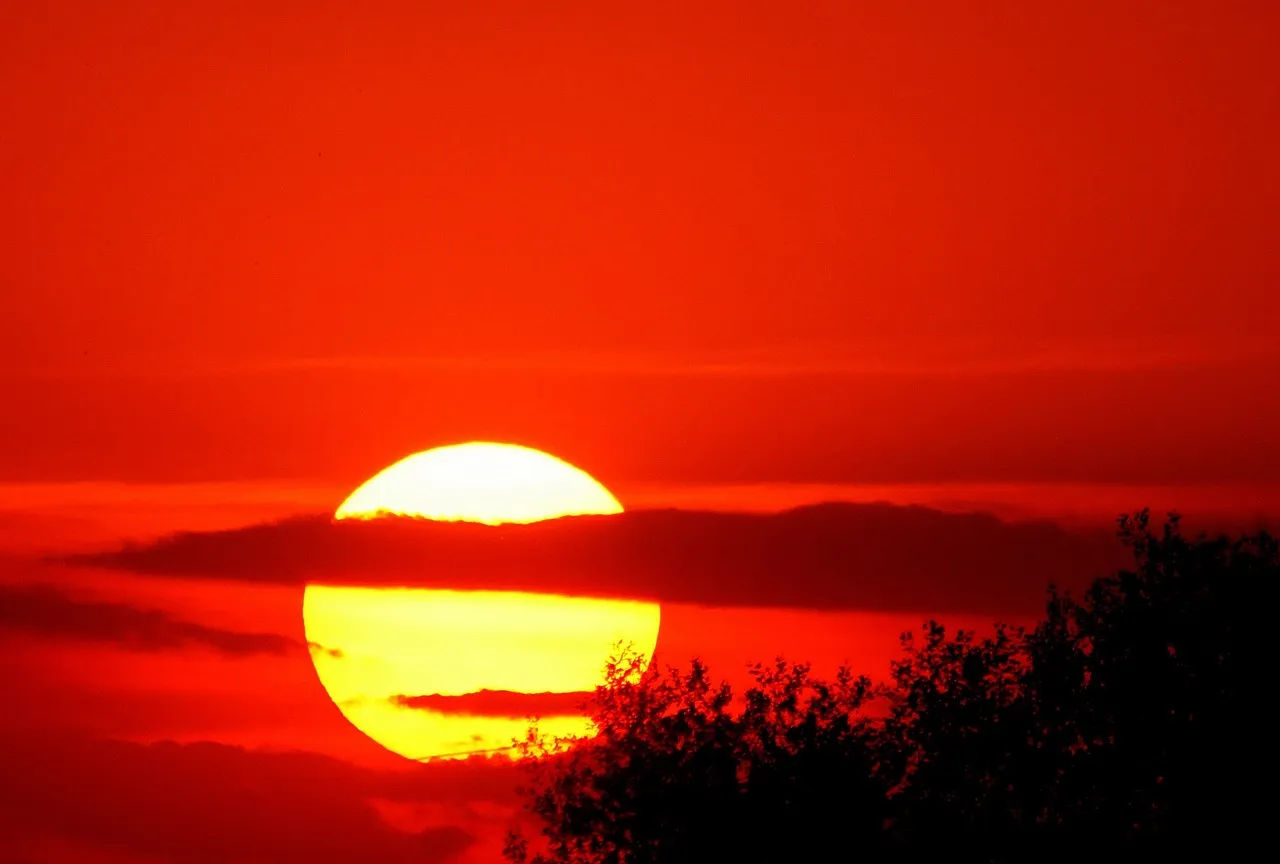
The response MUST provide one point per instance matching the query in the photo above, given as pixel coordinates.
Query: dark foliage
(1129, 718)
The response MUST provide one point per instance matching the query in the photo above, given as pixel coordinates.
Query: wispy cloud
(42, 610)
(499, 703)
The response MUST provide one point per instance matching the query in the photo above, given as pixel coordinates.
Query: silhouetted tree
(1149, 689)
(1126, 717)
(957, 739)
(678, 773)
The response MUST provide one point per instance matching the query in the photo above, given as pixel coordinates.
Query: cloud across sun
(396, 648)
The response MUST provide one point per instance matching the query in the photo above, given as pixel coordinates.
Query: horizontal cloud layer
(500, 703)
(45, 611)
(830, 556)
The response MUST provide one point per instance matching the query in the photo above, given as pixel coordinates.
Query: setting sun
(441, 672)
(480, 482)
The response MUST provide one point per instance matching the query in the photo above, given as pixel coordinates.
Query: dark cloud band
(833, 556)
(500, 703)
(45, 611)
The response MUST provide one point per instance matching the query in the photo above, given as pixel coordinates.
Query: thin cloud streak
(42, 610)
(499, 703)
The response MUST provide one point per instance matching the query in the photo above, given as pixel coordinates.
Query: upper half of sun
(480, 482)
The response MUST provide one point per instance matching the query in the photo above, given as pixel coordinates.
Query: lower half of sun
(448, 673)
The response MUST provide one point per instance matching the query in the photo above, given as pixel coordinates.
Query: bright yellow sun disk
(407, 642)
(415, 641)
(480, 482)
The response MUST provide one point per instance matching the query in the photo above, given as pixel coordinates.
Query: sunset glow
(379, 649)
(375, 374)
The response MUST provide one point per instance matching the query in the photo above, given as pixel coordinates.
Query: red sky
(731, 256)
(801, 242)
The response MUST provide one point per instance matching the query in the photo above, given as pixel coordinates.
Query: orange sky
(856, 242)
(731, 256)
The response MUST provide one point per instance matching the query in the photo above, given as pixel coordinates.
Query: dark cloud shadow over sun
(830, 556)
(501, 703)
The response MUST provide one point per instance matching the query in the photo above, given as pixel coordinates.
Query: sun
(480, 482)
(443, 672)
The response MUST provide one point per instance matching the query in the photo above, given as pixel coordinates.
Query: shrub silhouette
(1126, 716)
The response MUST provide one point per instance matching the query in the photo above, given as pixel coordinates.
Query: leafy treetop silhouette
(1130, 715)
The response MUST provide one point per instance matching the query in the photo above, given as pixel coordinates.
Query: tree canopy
(1130, 715)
